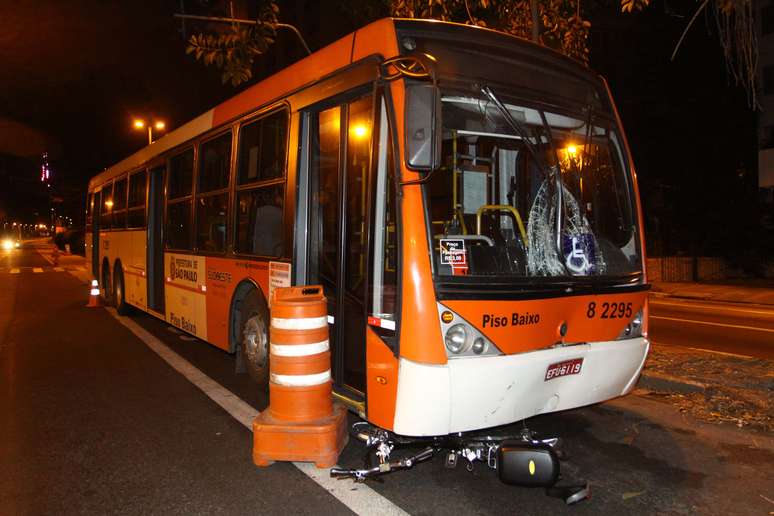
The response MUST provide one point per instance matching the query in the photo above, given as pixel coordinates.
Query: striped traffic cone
(301, 423)
(94, 300)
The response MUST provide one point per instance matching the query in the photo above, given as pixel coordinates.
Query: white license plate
(565, 368)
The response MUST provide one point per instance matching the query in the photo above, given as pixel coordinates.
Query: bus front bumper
(474, 393)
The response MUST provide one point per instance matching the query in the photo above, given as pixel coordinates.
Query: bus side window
(384, 244)
(136, 214)
(119, 204)
(261, 186)
(177, 234)
(107, 207)
(212, 194)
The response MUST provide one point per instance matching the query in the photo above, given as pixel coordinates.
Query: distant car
(10, 238)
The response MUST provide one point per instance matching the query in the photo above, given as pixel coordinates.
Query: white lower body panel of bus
(474, 393)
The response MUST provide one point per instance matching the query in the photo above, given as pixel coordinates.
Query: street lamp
(140, 124)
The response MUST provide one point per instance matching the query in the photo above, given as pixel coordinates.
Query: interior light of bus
(360, 131)
(109, 203)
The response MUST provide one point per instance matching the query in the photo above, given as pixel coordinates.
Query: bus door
(155, 256)
(339, 158)
(96, 210)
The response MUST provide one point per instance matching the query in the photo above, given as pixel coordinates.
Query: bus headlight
(479, 346)
(462, 339)
(456, 338)
(633, 329)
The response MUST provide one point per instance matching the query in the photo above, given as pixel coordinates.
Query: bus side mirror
(423, 125)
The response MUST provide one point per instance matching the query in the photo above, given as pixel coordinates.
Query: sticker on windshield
(453, 252)
(579, 253)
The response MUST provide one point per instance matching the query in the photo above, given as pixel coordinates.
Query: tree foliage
(558, 24)
(234, 48)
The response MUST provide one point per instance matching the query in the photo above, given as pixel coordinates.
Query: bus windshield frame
(490, 207)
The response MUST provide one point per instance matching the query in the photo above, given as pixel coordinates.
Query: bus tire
(105, 283)
(119, 293)
(254, 337)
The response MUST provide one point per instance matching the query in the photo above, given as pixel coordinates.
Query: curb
(665, 382)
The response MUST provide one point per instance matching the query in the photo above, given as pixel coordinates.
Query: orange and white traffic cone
(94, 300)
(301, 423)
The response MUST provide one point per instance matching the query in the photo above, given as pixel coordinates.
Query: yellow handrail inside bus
(501, 207)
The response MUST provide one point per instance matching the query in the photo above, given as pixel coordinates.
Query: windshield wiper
(549, 172)
(516, 127)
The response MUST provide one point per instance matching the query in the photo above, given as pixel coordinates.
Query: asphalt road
(729, 328)
(94, 421)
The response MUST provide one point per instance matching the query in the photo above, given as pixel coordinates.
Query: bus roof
(378, 38)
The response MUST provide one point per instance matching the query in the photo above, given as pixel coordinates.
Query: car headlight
(456, 339)
(633, 328)
(7, 244)
(17, 244)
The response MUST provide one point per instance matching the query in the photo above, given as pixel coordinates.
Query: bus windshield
(506, 167)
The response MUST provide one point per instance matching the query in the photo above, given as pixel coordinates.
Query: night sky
(78, 71)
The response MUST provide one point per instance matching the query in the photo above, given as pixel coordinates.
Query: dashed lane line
(706, 306)
(661, 342)
(38, 270)
(708, 323)
(359, 498)
(723, 353)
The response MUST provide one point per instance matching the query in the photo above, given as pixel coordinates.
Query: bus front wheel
(254, 337)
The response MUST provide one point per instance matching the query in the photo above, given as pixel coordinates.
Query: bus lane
(95, 422)
(640, 456)
(107, 425)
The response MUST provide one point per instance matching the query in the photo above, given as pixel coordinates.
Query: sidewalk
(750, 291)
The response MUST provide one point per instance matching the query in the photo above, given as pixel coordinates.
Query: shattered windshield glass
(493, 203)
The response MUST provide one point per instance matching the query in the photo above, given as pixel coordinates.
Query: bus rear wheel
(254, 337)
(107, 296)
(119, 294)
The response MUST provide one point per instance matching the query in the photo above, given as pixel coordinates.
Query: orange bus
(466, 199)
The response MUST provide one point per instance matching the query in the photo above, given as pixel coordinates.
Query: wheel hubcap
(255, 341)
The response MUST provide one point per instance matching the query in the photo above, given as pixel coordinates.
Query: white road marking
(359, 498)
(15, 271)
(37, 269)
(58, 269)
(721, 353)
(712, 307)
(737, 326)
(703, 350)
(45, 256)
